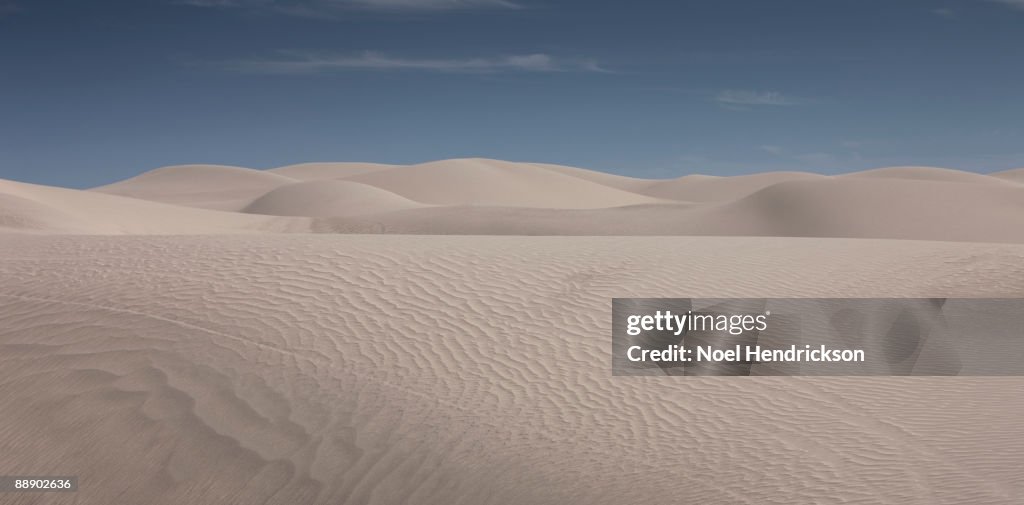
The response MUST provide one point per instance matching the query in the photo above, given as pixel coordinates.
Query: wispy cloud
(945, 12)
(292, 62)
(1019, 4)
(330, 8)
(741, 98)
(737, 99)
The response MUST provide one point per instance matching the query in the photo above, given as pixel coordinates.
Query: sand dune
(489, 197)
(206, 186)
(436, 370)
(60, 210)
(705, 188)
(323, 198)
(815, 207)
(1015, 175)
(925, 174)
(631, 184)
(20, 214)
(226, 362)
(497, 183)
(888, 208)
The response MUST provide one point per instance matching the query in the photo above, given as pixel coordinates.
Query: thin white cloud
(307, 63)
(945, 12)
(1019, 4)
(732, 97)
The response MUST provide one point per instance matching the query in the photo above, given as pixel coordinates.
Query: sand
(490, 197)
(181, 353)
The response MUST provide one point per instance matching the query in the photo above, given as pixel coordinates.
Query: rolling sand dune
(880, 208)
(632, 184)
(437, 370)
(807, 207)
(238, 359)
(324, 198)
(20, 214)
(925, 174)
(496, 183)
(705, 188)
(491, 197)
(99, 213)
(206, 186)
(1015, 175)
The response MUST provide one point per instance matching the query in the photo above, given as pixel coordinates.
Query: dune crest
(1014, 175)
(328, 170)
(925, 174)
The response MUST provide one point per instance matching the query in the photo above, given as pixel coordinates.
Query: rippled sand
(314, 369)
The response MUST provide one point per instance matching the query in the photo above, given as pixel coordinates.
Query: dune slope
(60, 210)
(328, 198)
(497, 183)
(1015, 175)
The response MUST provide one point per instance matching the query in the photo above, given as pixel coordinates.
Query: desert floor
(175, 341)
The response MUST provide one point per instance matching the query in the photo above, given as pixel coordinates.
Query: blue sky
(94, 92)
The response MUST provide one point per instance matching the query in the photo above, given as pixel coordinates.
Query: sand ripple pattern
(316, 369)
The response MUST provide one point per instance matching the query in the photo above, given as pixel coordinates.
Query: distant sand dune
(101, 213)
(863, 208)
(631, 184)
(925, 174)
(1015, 175)
(705, 188)
(491, 197)
(216, 187)
(322, 198)
(497, 183)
